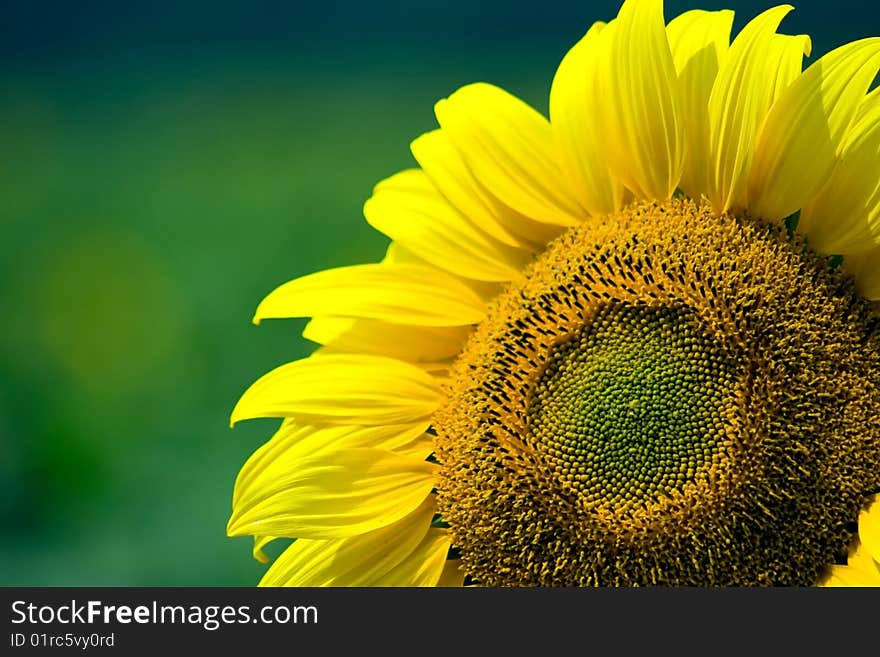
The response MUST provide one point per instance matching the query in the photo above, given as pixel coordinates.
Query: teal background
(163, 166)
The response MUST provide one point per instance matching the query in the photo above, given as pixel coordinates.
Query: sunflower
(635, 344)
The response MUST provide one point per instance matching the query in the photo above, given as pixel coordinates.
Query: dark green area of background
(165, 165)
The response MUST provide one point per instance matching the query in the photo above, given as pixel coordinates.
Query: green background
(163, 166)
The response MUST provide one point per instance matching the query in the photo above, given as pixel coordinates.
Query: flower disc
(669, 397)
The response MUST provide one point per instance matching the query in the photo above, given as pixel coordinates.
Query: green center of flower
(630, 407)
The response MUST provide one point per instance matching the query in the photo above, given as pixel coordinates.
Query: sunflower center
(629, 407)
(668, 397)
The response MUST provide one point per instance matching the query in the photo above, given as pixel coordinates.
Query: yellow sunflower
(635, 344)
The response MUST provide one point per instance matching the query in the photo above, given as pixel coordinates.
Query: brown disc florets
(670, 397)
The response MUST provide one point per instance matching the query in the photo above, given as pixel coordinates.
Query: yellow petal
(804, 131)
(414, 344)
(786, 62)
(325, 329)
(260, 542)
(453, 575)
(699, 41)
(832, 580)
(342, 389)
(860, 570)
(844, 217)
(419, 446)
(863, 564)
(865, 267)
(573, 102)
(401, 293)
(869, 529)
(334, 494)
(743, 92)
(363, 560)
(845, 577)
(637, 101)
(867, 105)
(292, 442)
(398, 255)
(445, 167)
(408, 208)
(511, 151)
(262, 459)
(431, 348)
(425, 565)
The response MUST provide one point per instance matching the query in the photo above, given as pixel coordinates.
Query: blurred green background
(165, 165)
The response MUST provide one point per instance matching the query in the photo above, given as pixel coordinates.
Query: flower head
(636, 343)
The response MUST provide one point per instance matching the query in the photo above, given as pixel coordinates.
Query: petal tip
(237, 414)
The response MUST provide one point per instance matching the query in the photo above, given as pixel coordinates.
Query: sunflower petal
(699, 41)
(573, 103)
(511, 151)
(865, 267)
(334, 494)
(408, 208)
(844, 217)
(402, 293)
(863, 565)
(860, 570)
(639, 105)
(424, 566)
(260, 542)
(744, 90)
(325, 329)
(266, 455)
(414, 344)
(363, 560)
(869, 529)
(453, 575)
(786, 62)
(804, 132)
(342, 389)
(867, 105)
(398, 255)
(292, 442)
(445, 167)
